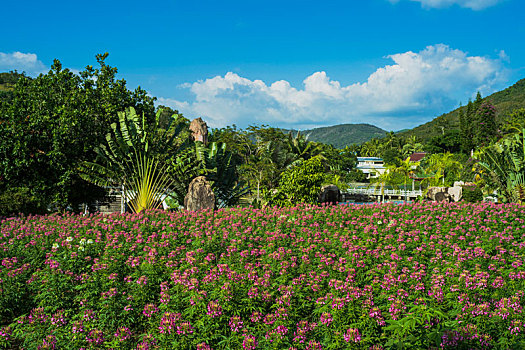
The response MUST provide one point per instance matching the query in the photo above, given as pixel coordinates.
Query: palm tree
(384, 179)
(301, 147)
(371, 148)
(504, 166)
(442, 165)
(411, 146)
(405, 168)
(134, 158)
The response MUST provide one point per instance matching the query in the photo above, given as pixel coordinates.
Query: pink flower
(352, 334)
(326, 318)
(235, 323)
(123, 333)
(150, 310)
(249, 342)
(214, 309)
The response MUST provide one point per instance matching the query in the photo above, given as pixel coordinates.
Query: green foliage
(515, 122)
(135, 158)
(220, 168)
(392, 148)
(300, 184)
(449, 141)
(356, 175)
(217, 164)
(472, 194)
(392, 157)
(445, 168)
(505, 102)
(503, 167)
(19, 200)
(9, 79)
(486, 128)
(343, 135)
(7, 85)
(336, 277)
(53, 122)
(410, 146)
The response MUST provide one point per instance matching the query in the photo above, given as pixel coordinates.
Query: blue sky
(392, 63)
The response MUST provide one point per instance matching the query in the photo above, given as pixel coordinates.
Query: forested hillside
(504, 101)
(344, 135)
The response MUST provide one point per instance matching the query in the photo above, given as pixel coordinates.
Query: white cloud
(27, 62)
(471, 4)
(415, 88)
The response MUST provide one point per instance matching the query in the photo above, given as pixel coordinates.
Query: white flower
(89, 241)
(69, 239)
(81, 248)
(380, 222)
(82, 241)
(55, 245)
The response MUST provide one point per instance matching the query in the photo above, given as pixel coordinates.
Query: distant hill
(343, 135)
(7, 83)
(505, 101)
(8, 80)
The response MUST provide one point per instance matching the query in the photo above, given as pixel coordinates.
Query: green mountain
(505, 101)
(343, 135)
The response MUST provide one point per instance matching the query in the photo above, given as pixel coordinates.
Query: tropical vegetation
(67, 138)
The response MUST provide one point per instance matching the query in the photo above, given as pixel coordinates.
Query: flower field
(414, 276)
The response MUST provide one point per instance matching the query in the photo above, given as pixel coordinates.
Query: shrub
(472, 194)
(19, 200)
(300, 184)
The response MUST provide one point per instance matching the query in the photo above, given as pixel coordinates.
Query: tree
(515, 121)
(392, 156)
(217, 164)
(53, 122)
(444, 168)
(405, 169)
(301, 147)
(134, 158)
(486, 128)
(450, 142)
(503, 167)
(466, 122)
(411, 146)
(371, 148)
(300, 184)
(220, 168)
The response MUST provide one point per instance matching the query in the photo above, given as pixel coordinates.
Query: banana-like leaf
(125, 159)
(149, 185)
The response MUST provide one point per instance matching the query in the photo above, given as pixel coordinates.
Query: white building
(371, 166)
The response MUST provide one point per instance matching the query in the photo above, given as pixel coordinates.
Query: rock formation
(329, 194)
(200, 130)
(449, 194)
(200, 195)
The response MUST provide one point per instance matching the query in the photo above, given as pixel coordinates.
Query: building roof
(371, 166)
(416, 157)
(376, 159)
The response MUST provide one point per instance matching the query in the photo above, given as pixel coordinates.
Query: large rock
(329, 194)
(445, 193)
(442, 197)
(200, 130)
(200, 195)
(456, 193)
(432, 191)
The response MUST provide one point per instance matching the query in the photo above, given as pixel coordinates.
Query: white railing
(386, 192)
